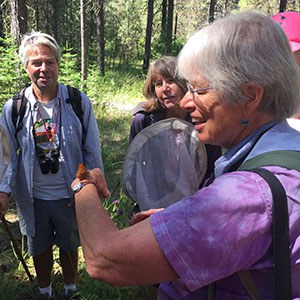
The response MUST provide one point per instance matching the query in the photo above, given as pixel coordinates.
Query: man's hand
(96, 176)
(4, 199)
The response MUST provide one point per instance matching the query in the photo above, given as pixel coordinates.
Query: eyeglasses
(198, 91)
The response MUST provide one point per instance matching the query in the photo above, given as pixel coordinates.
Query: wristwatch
(78, 186)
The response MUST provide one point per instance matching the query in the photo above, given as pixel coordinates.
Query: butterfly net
(164, 163)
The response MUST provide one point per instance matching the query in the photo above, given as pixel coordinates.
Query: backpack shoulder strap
(148, 120)
(281, 242)
(281, 252)
(18, 109)
(289, 159)
(75, 100)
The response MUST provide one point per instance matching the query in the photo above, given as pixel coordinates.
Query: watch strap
(78, 186)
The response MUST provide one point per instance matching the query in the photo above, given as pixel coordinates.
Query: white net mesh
(164, 163)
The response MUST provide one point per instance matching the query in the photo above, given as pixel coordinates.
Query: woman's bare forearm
(119, 257)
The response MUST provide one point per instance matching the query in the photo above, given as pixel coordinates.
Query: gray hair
(245, 48)
(37, 38)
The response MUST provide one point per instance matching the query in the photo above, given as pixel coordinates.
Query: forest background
(107, 47)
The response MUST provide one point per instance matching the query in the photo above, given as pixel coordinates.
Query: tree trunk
(175, 26)
(282, 5)
(47, 19)
(18, 19)
(36, 15)
(147, 51)
(170, 27)
(100, 34)
(2, 34)
(23, 17)
(54, 19)
(212, 6)
(163, 19)
(83, 41)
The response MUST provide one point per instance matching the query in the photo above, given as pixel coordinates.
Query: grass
(114, 126)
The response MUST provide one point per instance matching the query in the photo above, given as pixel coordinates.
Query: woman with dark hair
(163, 90)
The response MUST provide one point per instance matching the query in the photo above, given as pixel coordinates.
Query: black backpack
(20, 103)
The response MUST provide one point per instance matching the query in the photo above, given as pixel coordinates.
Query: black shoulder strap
(19, 109)
(75, 100)
(281, 242)
(148, 120)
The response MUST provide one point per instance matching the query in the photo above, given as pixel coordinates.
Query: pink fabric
(290, 23)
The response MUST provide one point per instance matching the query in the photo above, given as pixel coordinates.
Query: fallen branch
(16, 248)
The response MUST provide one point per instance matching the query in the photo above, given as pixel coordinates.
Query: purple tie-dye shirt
(226, 227)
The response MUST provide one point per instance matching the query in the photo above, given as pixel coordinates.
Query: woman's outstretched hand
(138, 217)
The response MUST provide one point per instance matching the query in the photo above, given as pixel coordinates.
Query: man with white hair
(47, 147)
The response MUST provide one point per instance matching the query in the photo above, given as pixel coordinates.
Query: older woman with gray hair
(243, 84)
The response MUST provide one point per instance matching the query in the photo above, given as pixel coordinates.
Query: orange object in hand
(82, 172)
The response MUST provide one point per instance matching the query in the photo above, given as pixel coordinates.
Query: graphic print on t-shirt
(44, 131)
(45, 126)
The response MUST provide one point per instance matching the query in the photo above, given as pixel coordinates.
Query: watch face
(77, 187)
